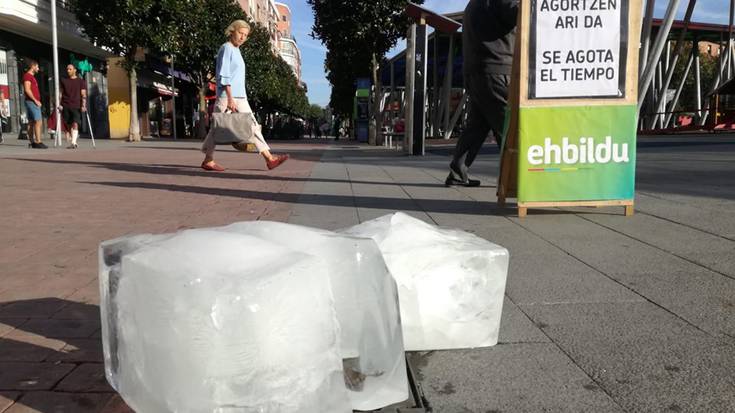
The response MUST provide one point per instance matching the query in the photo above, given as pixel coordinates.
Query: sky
(313, 52)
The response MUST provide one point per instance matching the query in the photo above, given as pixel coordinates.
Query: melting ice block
(450, 283)
(209, 321)
(366, 301)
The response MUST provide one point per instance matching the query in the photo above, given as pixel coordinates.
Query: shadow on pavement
(54, 364)
(195, 171)
(471, 207)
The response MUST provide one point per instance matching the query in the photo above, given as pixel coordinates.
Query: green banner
(577, 153)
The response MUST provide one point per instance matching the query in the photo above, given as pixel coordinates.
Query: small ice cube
(450, 283)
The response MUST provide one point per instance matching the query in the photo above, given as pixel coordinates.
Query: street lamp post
(55, 41)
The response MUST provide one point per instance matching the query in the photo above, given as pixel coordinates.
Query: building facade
(288, 48)
(25, 33)
(265, 13)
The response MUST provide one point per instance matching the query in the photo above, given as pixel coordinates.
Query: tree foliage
(122, 26)
(192, 31)
(272, 85)
(356, 33)
(708, 73)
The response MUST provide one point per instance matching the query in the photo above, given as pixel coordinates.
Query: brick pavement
(57, 205)
(603, 313)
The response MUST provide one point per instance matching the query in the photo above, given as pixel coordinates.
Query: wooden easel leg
(522, 212)
(629, 210)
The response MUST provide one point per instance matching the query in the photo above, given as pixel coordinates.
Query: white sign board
(577, 48)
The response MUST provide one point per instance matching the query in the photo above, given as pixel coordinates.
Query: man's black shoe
(456, 182)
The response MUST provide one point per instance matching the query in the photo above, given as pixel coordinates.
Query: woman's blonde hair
(235, 26)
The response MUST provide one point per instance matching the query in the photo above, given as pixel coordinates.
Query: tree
(271, 84)
(708, 73)
(198, 31)
(123, 26)
(374, 25)
(191, 31)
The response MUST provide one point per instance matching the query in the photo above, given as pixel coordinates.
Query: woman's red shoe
(276, 161)
(212, 166)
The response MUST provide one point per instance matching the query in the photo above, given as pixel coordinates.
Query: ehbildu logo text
(587, 152)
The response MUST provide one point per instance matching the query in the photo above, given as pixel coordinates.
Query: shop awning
(155, 82)
(164, 90)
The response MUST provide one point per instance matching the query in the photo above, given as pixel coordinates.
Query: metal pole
(698, 77)
(671, 65)
(657, 100)
(410, 89)
(679, 89)
(658, 46)
(448, 81)
(419, 98)
(729, 36)
(91, 132)
(173, 95)
(55, 41)
(434, 122)
(646, 35)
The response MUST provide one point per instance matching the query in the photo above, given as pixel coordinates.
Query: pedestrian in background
(231, 96)
(33, 104)
(488, 39)
(4, 113)
(73, 103)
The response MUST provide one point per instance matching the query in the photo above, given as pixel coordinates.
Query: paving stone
(646, 358)
(20, 345)
(10, 324)
(116, 405)
(55, 402)
(516, 327)
(79, 350)
(38, 308)
(7, 399)
(59, 328)
(693, 292)
(32, 376)
(509, 378)
(88, 377)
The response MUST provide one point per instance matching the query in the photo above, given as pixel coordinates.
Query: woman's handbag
(236, 127)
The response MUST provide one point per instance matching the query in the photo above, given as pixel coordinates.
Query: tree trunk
(378, 112)
(134, 134)
(373, 129)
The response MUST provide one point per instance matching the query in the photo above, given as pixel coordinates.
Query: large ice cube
(208, 321)
(367, 308)
(450, 283)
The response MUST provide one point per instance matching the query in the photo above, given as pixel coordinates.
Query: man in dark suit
(488, 38)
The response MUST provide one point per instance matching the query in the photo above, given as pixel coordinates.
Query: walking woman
(231, 95)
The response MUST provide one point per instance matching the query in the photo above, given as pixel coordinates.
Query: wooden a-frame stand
(518, 96)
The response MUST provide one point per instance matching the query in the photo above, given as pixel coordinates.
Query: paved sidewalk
(603, 313)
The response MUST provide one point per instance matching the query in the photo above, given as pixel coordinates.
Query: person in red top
(73, 102)
(33, 105)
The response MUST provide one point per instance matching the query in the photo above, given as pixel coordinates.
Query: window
(284, 18)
